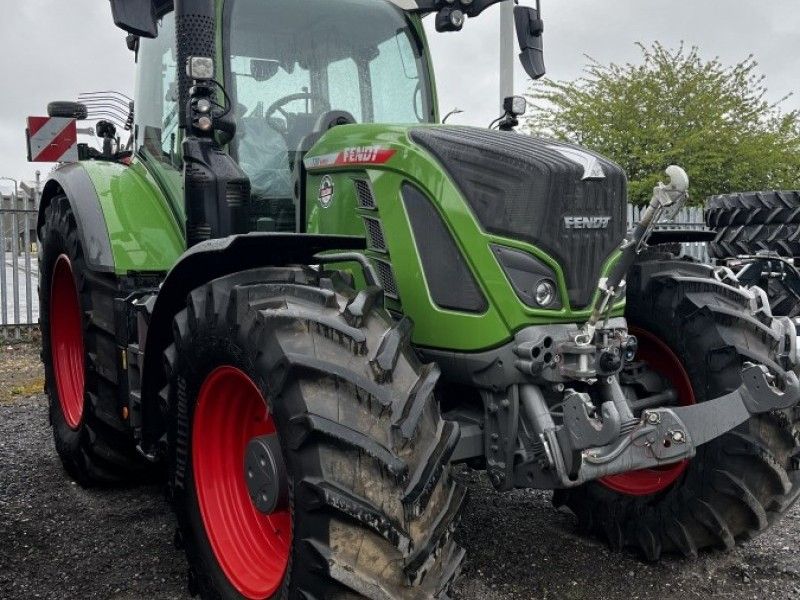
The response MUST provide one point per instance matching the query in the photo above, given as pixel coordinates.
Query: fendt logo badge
(586, 222)
(325, 195)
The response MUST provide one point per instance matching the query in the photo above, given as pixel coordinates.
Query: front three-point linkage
(597, 442)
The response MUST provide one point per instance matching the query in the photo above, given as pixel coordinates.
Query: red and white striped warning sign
(52, 139)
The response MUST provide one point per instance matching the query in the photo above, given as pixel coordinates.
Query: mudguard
(203, 263)
(125, 222)
(74, 181)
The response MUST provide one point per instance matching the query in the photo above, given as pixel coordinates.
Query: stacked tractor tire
(754, 222)
(759, 223)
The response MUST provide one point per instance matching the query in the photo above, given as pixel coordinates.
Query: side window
(157, 96)
(344, 87)
(397, 68)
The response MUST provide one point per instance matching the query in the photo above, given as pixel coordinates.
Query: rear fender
(125, 223)
(73, 181)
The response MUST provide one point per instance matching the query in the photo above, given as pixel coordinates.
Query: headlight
(545, 293)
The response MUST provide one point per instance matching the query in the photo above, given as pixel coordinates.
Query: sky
(55, 49)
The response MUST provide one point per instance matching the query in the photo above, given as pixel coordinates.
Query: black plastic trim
(681, 236)
(448, 276)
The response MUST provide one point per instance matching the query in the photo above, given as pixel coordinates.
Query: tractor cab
(291, 71)
(294, 70)
(288, 72)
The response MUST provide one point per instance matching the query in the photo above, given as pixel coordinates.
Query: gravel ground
(62, 542)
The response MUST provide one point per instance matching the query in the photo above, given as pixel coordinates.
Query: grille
(386, 275)
(364, 192)
(377, 241)
(447, 275)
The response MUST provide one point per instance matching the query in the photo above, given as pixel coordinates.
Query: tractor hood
(561, 198)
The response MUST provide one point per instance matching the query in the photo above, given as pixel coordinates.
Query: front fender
(201, 264)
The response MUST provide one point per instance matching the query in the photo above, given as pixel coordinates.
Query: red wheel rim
(66, 341)
(663, 361)
(251, 548)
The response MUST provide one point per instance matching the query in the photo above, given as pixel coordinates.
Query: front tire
(371, 505)
(737, 484)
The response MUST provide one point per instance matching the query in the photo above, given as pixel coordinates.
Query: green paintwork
(143, 229)
(434, 327)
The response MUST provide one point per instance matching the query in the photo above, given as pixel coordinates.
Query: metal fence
(687, 218)
(19, 277)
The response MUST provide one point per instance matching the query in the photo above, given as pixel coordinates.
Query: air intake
(449, 278)
(386, 275)
(366, 199)
(377, 241)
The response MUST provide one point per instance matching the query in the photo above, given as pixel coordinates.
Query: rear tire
(747, 240)
(736, 485)
(372, 506)
(82, 376)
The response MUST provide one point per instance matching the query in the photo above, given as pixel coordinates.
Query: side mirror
(137, 17)
(530, 28)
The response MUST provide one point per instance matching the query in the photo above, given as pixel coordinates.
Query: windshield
(292, 61)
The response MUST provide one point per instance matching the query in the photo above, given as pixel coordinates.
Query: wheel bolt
(678, 437)
(653, 418)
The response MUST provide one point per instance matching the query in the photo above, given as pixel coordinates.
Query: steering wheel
(278, 105)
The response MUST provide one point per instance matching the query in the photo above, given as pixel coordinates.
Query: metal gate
(688, 218)
(19, 277)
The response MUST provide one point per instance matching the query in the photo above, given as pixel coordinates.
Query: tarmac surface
(58, 541)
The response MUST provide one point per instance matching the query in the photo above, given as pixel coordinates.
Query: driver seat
(325, 122)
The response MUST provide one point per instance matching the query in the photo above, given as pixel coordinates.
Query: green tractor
(308, 303)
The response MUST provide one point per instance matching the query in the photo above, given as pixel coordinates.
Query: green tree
(675, 107)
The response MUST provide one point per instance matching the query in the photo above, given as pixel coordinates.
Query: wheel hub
(251, 547)
(265, 474)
